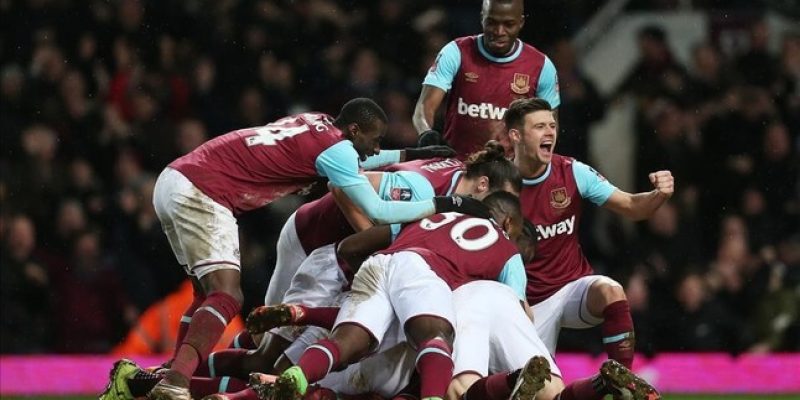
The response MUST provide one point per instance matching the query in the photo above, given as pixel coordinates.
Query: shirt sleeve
(443, 71)
(384, 158)
(548, 84)
(513, 275)
(340, 164)
(591, 185)
(405, 185)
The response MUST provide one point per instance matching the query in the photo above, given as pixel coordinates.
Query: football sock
(618, 337)
(208, 323)
(492, 387)
(318, 360)
(246, 394)
(243, 340)
(201, 387)
(435, 366)
(186, 319)
(584, 389)
(323, 317)
(228, 362)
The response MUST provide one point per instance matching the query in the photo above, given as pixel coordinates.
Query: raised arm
(641, 206)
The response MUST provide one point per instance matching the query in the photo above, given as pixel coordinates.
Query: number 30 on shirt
(458, 231)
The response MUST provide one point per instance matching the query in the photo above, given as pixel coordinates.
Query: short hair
(518, 109)
(505, 203)
(362, 111)
(492, 163)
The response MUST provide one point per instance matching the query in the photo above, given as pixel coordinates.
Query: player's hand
(663, 182)
(430, 138)
(461, 204)
(435, 151)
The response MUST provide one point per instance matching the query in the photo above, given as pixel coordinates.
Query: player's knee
(424, 328)
(609, 290)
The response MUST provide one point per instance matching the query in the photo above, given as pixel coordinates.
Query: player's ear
(483, 184)
(515, 135)
(354, 129)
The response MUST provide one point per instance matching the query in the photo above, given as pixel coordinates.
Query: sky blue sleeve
(387, 212)
(513, 275)
(385, 157)
(548, 84)
(405, 185)
(339, 163)
(443, 72)
(591, 185)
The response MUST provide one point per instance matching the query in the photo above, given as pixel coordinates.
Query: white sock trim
(215, 313)
(327, 353)
(431, 350)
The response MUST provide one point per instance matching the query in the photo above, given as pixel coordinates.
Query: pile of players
(425, 301)
(426, 272)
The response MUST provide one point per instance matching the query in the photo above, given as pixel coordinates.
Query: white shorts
(494, 334)
(566, 308)
(289, 255)
(203, 234)
(318, 282)
(386, 372)
(395, 286)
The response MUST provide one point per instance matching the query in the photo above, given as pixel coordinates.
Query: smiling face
(367, 138)
(501, 23)
(537, 138)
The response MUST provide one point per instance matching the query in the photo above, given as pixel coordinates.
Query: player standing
(562, 287)
(483, 74)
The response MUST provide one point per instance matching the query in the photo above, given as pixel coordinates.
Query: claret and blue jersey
(482, 86)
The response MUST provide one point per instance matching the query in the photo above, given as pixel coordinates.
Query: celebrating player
(198, 195)
(483, 74)
(411, 282)
(562, 288)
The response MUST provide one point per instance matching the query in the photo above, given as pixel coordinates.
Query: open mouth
(547, 146)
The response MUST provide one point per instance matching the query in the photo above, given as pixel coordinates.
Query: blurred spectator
(24, 290)
(93, 311)
(581, 104)
(657, 72)
(698, 321)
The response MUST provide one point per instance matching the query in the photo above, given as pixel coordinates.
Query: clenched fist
(663, 182)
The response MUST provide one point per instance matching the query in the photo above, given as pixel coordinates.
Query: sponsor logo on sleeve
(400, 194)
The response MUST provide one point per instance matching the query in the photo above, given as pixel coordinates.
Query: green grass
(666, 397)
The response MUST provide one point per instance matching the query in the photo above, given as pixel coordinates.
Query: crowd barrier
(670, 373)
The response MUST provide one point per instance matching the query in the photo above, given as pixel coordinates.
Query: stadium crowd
(97, 97)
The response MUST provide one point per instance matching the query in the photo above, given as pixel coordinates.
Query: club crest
(521, 83)
(559, 198)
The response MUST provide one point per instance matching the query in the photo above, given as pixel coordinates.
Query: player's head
(489, 171)
(532, 129)
(501, 20)
(527, 240)
(363, 122)
(506, 211)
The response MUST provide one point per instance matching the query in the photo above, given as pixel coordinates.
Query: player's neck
(530, 169)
